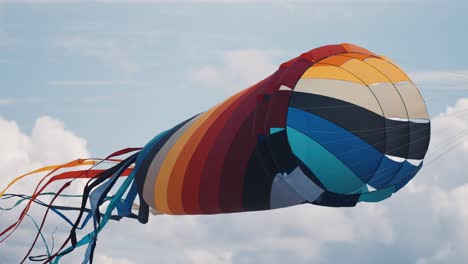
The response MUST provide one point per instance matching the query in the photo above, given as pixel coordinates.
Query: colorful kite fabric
(322, 129)
(333, 127)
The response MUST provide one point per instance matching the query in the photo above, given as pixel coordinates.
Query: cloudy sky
(85, 78)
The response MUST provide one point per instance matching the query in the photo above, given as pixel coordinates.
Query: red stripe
(192, 181)
(278, 110)
(209, 196)
(235, 165)
(242, 143)
(292, 74)
(322, 52)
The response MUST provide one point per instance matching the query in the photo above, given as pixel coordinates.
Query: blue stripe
(408, 178)
(406, 170)
(359, 156)
(386, 171)
(331, 172)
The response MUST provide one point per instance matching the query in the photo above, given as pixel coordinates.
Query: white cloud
(239, 68)
(452, 206)
(48, 143)
(449, 80)
(203, 257)
(110, 260)
(106, 50)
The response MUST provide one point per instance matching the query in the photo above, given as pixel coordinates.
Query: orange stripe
(356, 49)
(162, 180)
(394, 73)
(358, 56)
(178, 173)
(335, 60)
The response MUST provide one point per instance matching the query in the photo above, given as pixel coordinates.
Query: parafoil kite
(336, 126)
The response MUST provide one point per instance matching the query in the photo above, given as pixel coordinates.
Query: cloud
(48, 143)
(238, 69)
(106, 50)
(110, 260)
(441, 80)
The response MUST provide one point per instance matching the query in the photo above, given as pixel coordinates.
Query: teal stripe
(276, 129)
(377, 196)
(332, 173)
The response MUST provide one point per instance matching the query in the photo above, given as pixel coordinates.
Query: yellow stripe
(385, 58)
(368, 74)
(395, 74)
(329, 72)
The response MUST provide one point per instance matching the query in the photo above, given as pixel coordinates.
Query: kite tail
(95, 194)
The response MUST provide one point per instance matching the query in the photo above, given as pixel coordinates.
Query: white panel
(390, 100)
(351, 92)
(413, 100)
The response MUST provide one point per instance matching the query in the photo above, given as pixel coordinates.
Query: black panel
(398, 138)
(420, 137)
(281, 152)
(331, 199)
(259, 176)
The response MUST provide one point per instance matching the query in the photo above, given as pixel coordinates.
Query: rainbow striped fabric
(334, 126)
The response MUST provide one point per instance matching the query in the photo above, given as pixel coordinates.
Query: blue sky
(98, 63)
(116, 74)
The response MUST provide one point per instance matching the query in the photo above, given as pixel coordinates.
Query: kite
(335, 126)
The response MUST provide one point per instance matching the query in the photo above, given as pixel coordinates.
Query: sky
(86, 78)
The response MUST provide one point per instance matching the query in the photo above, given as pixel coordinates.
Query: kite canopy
(326, 128)
(333, 127)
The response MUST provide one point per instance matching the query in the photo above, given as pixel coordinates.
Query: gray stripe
(153, 170)
(293, 189)
(303, 185)
(282, 194)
